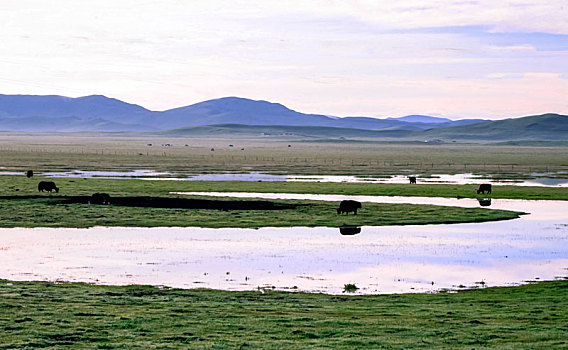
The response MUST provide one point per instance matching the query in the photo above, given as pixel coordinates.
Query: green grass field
(80, 316)
(71, 316)
(22, 206)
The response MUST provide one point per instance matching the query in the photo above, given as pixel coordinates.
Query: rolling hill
(100, 113)
(280, 131)
(547, 127)
(240, 116)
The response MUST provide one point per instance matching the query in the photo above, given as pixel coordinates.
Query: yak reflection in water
(484, 202)
(350, 230)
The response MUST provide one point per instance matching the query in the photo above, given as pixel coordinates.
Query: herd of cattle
(351, 206)
(345, 206)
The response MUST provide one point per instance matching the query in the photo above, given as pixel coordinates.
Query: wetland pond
(386, 259)
(535, 179)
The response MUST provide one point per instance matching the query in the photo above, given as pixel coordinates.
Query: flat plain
(274, 155)
(67, 315)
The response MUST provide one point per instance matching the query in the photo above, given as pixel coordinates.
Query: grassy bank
(52, 211)
(20, 185)
(22, 206)
(39, 314)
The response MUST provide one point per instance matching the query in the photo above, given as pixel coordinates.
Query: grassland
(108, 152)
(40, 314)
(79, 316)
(22, 206)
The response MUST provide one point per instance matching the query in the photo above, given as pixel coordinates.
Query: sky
(453, 58)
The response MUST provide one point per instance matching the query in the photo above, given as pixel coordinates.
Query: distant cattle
(47, 186)
(483, 188)
(348, 206)
(100, 198)
(349, 230)
(484, 202)
(412, 179)
(30, 173)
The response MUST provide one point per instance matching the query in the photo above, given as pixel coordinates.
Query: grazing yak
(484, 188)
(47, 186)
(349, 230)
(412, 179)
(30, 173)
(348, 206)
(100, 198)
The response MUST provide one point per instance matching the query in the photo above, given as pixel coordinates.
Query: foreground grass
(47, 315)
(22, 206)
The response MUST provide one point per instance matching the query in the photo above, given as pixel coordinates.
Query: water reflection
(484, 202)
(543, 180)
(382, 260)
(349, 230)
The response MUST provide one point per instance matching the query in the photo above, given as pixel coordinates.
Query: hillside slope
(546, 127)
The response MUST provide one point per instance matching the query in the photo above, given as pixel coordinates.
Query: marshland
(106, 284)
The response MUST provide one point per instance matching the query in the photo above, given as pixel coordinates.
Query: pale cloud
(525, 47)
(505, 76)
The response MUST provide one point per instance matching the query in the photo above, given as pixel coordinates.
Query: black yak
(348, 206)
(412, 179)
(30, 173)
(47, 186)
(484, 188)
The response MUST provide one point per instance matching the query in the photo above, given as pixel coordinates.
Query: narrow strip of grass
(20, 185)
(40, 314)
(55, 211)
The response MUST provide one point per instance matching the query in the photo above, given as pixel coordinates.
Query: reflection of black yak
(348, 206)
(484, 188)
(100, 198)
(349, 230)
(484, 202)
(29, 173)
(412, 179)
(47, 186)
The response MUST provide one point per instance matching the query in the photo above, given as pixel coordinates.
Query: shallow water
(458, 179)
(390, 259)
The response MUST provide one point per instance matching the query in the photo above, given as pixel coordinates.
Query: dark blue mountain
(100, 113)
(417, 118)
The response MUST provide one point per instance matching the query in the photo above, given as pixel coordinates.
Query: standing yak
(30, 174)
(47, 186)
(412, 179)
(348, 206)
(484, 188)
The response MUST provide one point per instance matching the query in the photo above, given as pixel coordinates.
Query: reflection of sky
(379, 259)
(485, 58)
(458, 179)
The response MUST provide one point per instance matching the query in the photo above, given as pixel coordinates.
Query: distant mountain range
(233, 116)
(100, 113)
